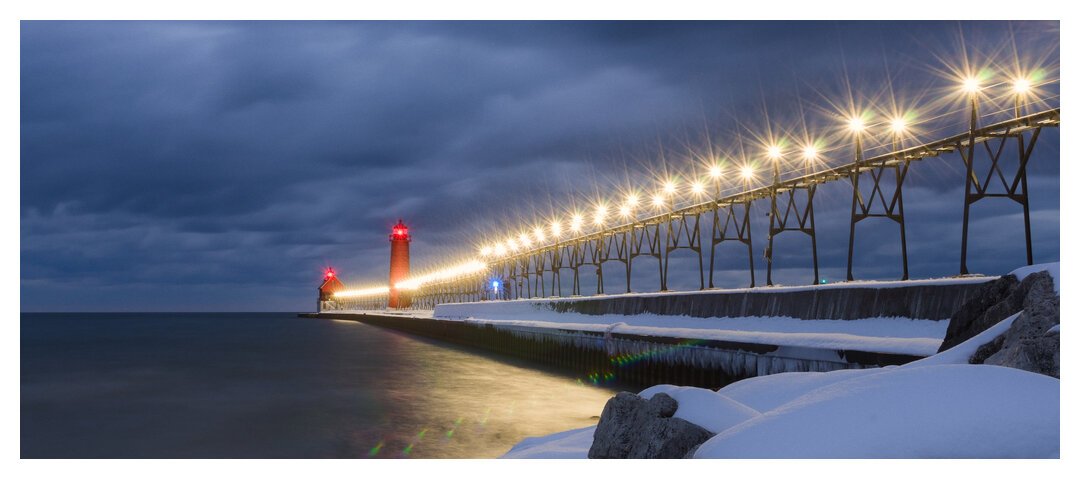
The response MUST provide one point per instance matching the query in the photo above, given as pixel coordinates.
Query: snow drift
(938, 407)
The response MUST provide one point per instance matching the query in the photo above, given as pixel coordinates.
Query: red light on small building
(330, 285)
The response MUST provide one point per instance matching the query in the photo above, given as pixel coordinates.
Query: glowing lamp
(601, 213)
(632, 200)
(624, 211)
(697, 188)
(485, 251)
(658, 201)
(1021, 86)
(747, 172)
(715, 171)
(556, 229)
(774, 152)
(971, 85)
(669, 187)
(898, 125)
(856, 124)
(575, 223)
(810, 152)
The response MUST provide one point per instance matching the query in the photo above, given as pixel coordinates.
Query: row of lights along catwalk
(987, 176)
(530, 264)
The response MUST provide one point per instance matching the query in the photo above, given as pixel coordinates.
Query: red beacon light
(400, 231)
(329, 273)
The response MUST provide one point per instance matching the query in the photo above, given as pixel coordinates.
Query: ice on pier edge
(938, 407)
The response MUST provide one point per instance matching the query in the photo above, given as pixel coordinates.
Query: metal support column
(674, 241)
(891, 208)
(741, 230)
(978, 187)
(803, 217)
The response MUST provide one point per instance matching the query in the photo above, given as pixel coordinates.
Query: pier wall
(928, 299)
(605, 356)
(628, 359)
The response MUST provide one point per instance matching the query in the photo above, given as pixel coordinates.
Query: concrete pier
(920, 299)
(639, 360)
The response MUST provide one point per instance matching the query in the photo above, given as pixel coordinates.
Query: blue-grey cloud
(221, 165)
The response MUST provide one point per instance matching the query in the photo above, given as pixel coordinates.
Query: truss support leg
(856, 199)
(577, 283)
(720, 232)
(900, 175)
(804, 217)
(599, 278)
(662, 261)
(773, 213)
(1016, 189)
(700, 260)
(1024, 155)
(813, 231)
(749, 241)
(712, 249)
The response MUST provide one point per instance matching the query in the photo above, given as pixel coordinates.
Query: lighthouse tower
(399, 263)
(330, 285)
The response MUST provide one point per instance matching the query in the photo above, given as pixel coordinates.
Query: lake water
(271, 385)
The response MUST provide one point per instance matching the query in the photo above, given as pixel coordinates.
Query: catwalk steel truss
(877, 192)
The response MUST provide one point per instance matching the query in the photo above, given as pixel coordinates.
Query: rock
(632, 428)
(971, 316)
(1056, 371)
(994, 302)
(614, 433)
(692, 451)
(987, 350)
(663, 405)
(1026, 344)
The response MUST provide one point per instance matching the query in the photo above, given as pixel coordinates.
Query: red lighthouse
(399, 263)
(331, 284)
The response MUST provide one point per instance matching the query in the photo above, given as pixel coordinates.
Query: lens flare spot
(375, 450)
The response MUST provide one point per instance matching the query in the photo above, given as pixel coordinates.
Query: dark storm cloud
(221, 165)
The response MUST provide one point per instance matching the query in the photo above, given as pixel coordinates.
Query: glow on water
(277, 386)
(460, 405)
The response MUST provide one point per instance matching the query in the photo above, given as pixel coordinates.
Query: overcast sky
(222, 165)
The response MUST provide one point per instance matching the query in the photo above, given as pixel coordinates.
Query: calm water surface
(271, 385)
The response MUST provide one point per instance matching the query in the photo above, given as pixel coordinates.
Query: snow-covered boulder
(632, 427)
(938, 407)
(938, 411)
(704, 407)
(765, 393)
(927, 409)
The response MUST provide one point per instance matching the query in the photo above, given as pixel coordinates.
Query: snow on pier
(706, 338)
(893, 317)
